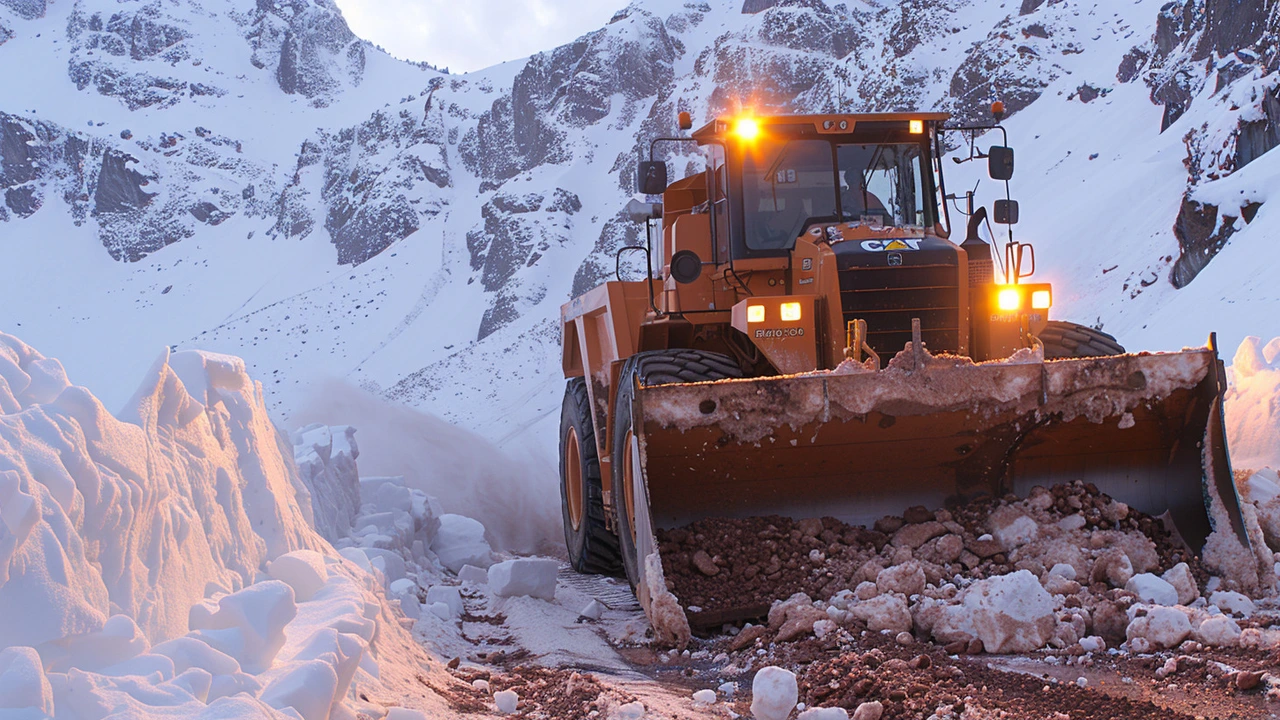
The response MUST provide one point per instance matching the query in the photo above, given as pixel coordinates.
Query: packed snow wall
(166, 557)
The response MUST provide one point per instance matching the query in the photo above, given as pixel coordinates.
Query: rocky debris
(895, 682)
(1067, 538)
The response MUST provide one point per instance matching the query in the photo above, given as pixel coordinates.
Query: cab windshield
(788, 185)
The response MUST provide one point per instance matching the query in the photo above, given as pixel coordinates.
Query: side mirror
(685, 121)
(686, 266)
(1000, 162)
(651, 177)
(642, 211)
(1005, 212)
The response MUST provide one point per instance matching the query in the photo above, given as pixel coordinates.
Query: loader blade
(1145, 429)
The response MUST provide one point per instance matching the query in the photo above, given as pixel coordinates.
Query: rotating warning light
(747, 129)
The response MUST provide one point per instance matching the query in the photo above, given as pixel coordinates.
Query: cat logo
(896, 244)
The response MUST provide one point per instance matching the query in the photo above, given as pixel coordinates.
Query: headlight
(1009, 299)
(1041, 300)
(755, 313)
(790, 311)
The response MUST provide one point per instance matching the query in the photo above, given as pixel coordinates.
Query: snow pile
(166, 559)
(326, 459)
(1009, 614)
(1253, 415)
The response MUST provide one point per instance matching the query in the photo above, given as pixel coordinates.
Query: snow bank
(166, 558)
(326, 459)
(1253, 415)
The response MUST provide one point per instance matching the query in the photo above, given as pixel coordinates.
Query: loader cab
(770, 179)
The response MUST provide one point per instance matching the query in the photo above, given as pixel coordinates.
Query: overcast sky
(466, 35)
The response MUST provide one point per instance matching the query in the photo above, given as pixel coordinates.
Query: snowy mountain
(252, 178)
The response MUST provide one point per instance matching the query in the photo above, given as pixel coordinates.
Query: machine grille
(887, 298)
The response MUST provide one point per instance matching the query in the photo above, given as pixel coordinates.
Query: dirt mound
(725, 570)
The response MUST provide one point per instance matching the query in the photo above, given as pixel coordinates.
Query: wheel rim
(629, 486)
(573, 478)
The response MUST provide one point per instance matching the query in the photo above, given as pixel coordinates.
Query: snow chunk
(1179, 576)
(593, 611)
(774, 693)
(1064, 570)
(534, 577)
(1232, 602)
(248, 625)
(449, 595)
(309, 688)
(1218, 631)
(302, 570)
(824, 714)
(1159, 629)
(907, 578)
(460, 541)
(1093, 643)
(630, 711)
(704, 697)
(23, 685)
(474, 575)
(869, 711)
(884, 612)
(1151, 589)
(506, 700)
(1011, 528)
(1009, 614)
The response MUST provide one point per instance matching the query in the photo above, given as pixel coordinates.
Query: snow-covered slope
(234, 177)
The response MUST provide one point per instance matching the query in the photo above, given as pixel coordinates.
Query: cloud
(466, 35)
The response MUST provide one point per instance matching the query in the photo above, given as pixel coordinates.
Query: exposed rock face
(129, 54)
(313, 51)
(1200, 237)
(1262, 135)
(1233, 24)
(119, 185)
(575, 86)
(26, 9)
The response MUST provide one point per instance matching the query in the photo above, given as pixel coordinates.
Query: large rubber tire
(1069, 340)
(659, 367)
(593, 548)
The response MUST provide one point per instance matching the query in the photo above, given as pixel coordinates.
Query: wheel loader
(810, 341)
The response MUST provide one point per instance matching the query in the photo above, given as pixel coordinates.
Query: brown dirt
(552, 693)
